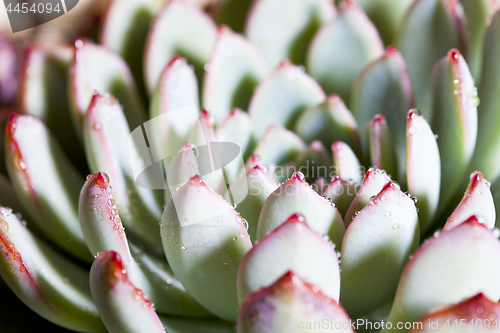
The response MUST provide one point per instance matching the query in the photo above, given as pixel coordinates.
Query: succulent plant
(269, 206)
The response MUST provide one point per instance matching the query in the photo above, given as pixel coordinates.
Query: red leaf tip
(298, 176)
(414, 113)
(348, 4)
(476, 307)
(295, 218)
(476, 176)
(474, 220)
(391, 50)
(335, 99)
(174, 60)
(196, 180)
(284, 63)
(103, 180)
(337, 146)
(378, 118)
(235, 112)
(453, 55)
(222, 29)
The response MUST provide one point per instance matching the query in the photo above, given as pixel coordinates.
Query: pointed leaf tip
(478, 311)
(472, 245)
(272, 309)
(291, 246)
(296, 196)
(477, 200)
(123, 306)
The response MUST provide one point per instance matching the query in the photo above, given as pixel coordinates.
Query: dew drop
(138, 293)
(496, 232)
(195, 151)
(245, 223)
(382, 198)
(234, 205)
(396, 226)
(298, 174)
(207, 67)
(387, 213)
(412, 130)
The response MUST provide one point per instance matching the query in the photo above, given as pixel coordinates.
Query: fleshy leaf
(477, 201)
(46, 182)
(329, 121)
(180, 29)
(455, 120)
(343, 46)
(423, 167)
(282, 29)
(164, 289)
(346, 163)
(478, 14)
(124, 29)
(373, 182)
(278, 145)
(387, 228)
(295, 196)
(183, 166)
(282, 96)
(386, 15)
(103, 231)
(341, 193)
(99, 218)
(259, 185)
(204, 240)
(44, 77)
(235, 69)
(95, 68)
(475, 314)
(316, 161)
(286, 304)
(383, 87)
(237, 128)
(293, 246)
(429, 30)
(48, 283)
(105, 134)
(469, 245)
(381, 144)
(123, 306)
(174, 109)
(486, 157)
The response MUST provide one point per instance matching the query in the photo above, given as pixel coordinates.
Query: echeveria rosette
(328, 151)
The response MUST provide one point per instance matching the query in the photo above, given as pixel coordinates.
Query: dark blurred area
(15, 317)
